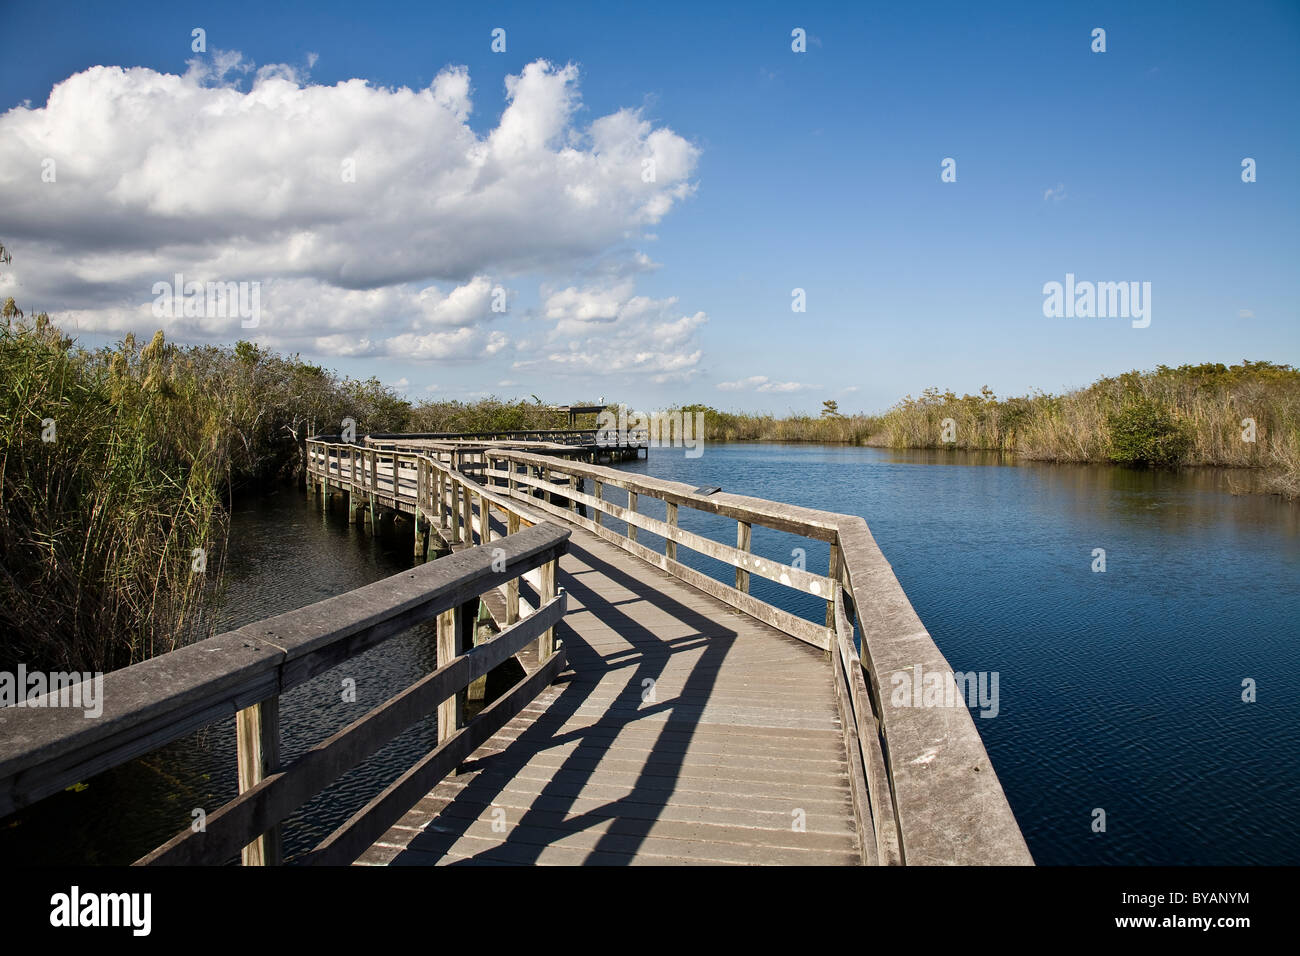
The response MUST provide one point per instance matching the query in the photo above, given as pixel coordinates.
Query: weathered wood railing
(923, 787)
(435, 488)
(546, 479)
(243, 672)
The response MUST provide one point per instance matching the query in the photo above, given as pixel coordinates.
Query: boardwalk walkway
(680, 718)
(737, 756)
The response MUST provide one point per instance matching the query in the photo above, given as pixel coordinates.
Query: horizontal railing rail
(562, 480)
(243, 672)
(439, 494)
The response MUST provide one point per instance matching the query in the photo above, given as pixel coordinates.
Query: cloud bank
(377, 220)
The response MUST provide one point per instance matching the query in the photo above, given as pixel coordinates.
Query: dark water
(1118, 690)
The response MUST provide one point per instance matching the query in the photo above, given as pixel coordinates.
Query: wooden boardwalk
(735, 753)
(664, 716)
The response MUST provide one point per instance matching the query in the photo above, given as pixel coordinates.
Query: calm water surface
(1118, 690)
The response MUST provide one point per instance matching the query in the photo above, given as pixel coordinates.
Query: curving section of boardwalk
(680, 719)
(920, 785)
(733, 754)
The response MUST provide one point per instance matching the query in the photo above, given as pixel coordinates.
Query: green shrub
(1143, 432)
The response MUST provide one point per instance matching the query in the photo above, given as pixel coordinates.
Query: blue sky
(816, 170)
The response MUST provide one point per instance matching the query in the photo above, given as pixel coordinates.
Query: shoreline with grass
(120, 465)
(1211, 415)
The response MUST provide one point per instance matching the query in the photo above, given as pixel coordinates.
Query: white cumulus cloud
(375, 220)
(761, 383)
(605, 330)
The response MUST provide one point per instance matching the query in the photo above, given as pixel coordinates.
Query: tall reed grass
(117, 467)
(1190, 415)
(111, 479)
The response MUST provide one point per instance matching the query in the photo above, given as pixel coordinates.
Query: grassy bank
(1241, 416)
(1169, 417)
(825, 429)
(109, 482)
(115, 465)
(490, 415)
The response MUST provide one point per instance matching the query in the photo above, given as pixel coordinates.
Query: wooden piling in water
(421, 543)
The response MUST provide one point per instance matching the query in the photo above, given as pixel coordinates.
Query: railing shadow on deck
(923, 788)
(663, 761)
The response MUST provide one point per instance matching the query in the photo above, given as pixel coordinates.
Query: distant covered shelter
(575, 410)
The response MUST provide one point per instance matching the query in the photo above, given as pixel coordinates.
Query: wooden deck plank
(531, 788)
(741, 743)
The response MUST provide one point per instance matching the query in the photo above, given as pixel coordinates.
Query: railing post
(421, 536)
(598, 492)
(670, 546)
(357, 502)
(420, 479)
(477, 689)
(451, 632)
(742, 544)
(467, 514)
(512, 586)
(546, 643)
(484, 523)
(449, 504)
(257, 746)
(631, 506)
(440, 502)
(372, 459)
(834, 574)
(453, 508)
